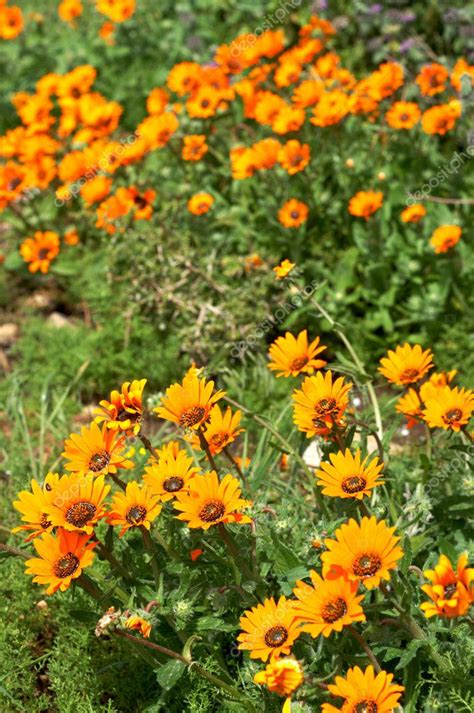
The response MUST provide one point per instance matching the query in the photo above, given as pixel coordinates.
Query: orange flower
(365, 692)
(308, 93)
(283, 676)
(116, 10)
(200, 203)
(222, 428)
(124, 410)
(106, 33)
(414, 213)
(293, 355)
(141, 203)
(208, 502)
(265, 153)
(451, 592)
(136, 507)
(95, 450)
(194, 147)
(410, 405)
(40, 250)
(96, 189)
(156, 131)
(365, 203)
(71, 237)
(403, 115)
(203, 103)
(138, 623)
(406, 365)
(331, 108)
(450, 409)
(460, 70)
(293, 213)
(69, 10)
(269, 629)
(294, 156)
(157, 101)
(288, 119)
(267, 107)
(32, 506)
(184, 78)
(432, 79)
(11, 22)
(283, 269)
(189, 404)
(320, 403)
(439, 119)
(445, 237)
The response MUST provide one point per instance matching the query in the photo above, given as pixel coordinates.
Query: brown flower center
(66, 565)
(353, 484)
(326, 406)
(173, 484)
(43, 253)
(366, 565)
(332, 611)
(404, 117)
(450, 590)
(452, 415)
(136, 515)
(99, 461)
(44, 522)
(409, 375)
(276, 636)
(298, 363)
(192, 416)
(80, 513)
(212, 511)
(219, 439)
(365, 706)
(294, 214)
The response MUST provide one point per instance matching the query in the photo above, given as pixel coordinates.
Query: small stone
(8, 334)
(56, 319)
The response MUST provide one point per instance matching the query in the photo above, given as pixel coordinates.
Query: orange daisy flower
(69, 10)
(98, 450)
(293, 213)
(365, 203)
(77, 502)
(204, 102)
(445, 237)
(208, 502)
(414, 213)
(438, 119)
(294, 156)
(283, 269)
(194, 147)
(269, 629)
(293, 355)
(364, 552)
(138, 623)
(189, 404)
(406, 365)
(283, 677)
(61, 559)
(11, 22)
(136, 507)
(365, 691)
(116, 10)
(403, 115)
(32, 506)
(347, 476)
(170, 475)
(184, 78)
(451, 592)
(124, 411)
(432, 79)
(221, 429)
(40, 250)
(200, 203)
(330, 109)
(320, 404)
(410, 406)
(450, 409)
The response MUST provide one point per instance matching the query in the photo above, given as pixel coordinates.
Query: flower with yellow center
(348, 476)
(124, 410)
(406, 365)
(283, 269)
(269, 629)
(189, 404)
(364, 552)
(136, 507)
(209, 501)
(282, 676)
(170, 475)
(328, 605)
(61, 559)
(291, 355)
(450, 409)
(32, 506)
(96, 450)
(365, 692)
(320, 403)
(451, 592)
(77, 502)
(138, 623)
(221, 429)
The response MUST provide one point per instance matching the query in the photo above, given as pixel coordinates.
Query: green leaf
(169, 674)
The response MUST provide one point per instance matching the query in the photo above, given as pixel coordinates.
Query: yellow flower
(189, 404)
(406, 365)
(76, 502)
(269, 629)
(293, 355)
(98, 450)
(283, 269)
(61, 559)
(448, 408)
(210, 502)
(221, 429)
(33, 506)
(170, 475)
(347, 476)
(138, 623)
(282, 676)
(124, 410)
(364, 552)
(365, 692)
(451, 592)
(328, 605)
(320, 403)
(136, 507)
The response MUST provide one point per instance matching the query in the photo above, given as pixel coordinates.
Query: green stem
(238, 469)
(234, 552)
(112, 560)
(370, 654)
(205, 447)
(89, 586)
(148, 542)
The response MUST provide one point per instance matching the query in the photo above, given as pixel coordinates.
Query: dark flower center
(450, 590)
(353, 484)
(173, 484)
(99, 461)
(192, 416)
(452, 415)
(80, 513)
(66, 565)
(326, 406)
(136, 515)
(365, 706)
(212, 511)
(366, 565)
(334, 610)
(298, 363)
(294, 214)
(44, 522)
(276, 636)
(43, 253)
(409, 375)
(219, 439)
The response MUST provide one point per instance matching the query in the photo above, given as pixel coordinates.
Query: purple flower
(406, 45)
(375, 9)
